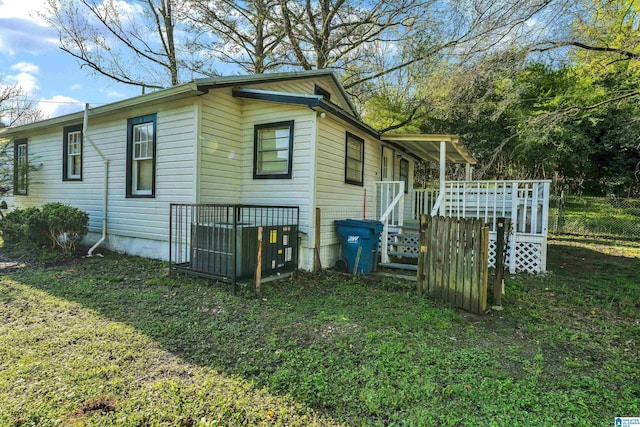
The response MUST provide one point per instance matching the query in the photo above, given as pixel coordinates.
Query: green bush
(15, 226)
(60, 225)
(65, 225)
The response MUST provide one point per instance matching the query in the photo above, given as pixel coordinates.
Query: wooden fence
(453, 261)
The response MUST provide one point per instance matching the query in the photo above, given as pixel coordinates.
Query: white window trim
(71, 155)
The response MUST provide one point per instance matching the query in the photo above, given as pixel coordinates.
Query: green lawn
(598, 216)
(114, 341)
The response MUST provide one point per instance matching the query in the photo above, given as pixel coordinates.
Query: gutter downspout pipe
(85, 125)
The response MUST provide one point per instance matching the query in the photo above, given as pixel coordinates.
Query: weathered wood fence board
(453, 261)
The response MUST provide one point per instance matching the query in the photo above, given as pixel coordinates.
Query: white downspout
(85, 125)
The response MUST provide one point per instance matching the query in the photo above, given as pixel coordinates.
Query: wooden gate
(453, 261)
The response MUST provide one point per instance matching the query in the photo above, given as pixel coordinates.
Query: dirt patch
(101, 404)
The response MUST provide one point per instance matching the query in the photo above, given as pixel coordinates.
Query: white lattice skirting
(530, 256)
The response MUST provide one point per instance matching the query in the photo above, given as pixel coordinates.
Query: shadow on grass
(364, 350)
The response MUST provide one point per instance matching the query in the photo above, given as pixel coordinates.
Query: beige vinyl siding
(220, 153)
(335, 198)
(46, 185)
(283, 192)
(307, 86)
(331, 190)
(143, 218)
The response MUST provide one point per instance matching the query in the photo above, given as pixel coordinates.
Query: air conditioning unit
(212, 249)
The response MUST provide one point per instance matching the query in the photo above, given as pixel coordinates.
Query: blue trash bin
(359, 237)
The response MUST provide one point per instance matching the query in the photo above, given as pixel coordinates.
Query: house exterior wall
(135, 225)
(335, 198)
(226, 146)
(296, 191)
(307, 86)
(220, 160)
(204, 154)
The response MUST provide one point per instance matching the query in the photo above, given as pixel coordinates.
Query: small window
(404, 174)
(273, 149)
(141, 156)
(319, 90)
(72, 154)
(20, 167)
(353, 169)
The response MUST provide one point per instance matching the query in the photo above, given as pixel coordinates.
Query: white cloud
(26, 78)
(22, 9)
(59, 105)
(22, 29)
(26, 67)
(76, 86)
(26, 81)
(114, 94)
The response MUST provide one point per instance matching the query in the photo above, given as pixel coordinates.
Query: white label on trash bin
(353, 239)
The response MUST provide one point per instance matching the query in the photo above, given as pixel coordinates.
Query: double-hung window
(141, 156)
(273, 150)
(353, 168)
(20, 167)
(72, 154)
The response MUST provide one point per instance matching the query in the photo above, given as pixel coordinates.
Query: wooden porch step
(403, 254)
(405, 244)
(411, 225)
(398, 266)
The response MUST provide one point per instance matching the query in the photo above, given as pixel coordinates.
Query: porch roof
(427, 146)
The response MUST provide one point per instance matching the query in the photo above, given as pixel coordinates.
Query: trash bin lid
(371, 224)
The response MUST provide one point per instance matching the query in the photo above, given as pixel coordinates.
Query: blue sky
(30, 56)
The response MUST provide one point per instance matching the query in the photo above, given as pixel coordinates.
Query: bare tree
(246, 34)
(331, 34)
(15, 106)
(130, 42)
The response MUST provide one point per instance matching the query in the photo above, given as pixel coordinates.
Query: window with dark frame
(404, 174)
(141, 156)
(319, 90)
(72, 153)
(20, 167)
(273, 150)
(354, 160)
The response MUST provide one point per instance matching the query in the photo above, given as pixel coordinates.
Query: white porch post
(545, 224)
(443, 164)
(468, 170)
(514, 227)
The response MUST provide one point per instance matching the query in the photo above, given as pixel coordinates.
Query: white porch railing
(526, 203)
(389, 210)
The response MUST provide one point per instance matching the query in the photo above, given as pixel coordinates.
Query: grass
(115, 341)
(599, 216)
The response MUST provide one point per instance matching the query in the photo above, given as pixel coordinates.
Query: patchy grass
(600, 216)
(115, 341)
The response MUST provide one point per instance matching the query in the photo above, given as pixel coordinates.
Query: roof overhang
(173, 93)
(427, 146)
(209, 83)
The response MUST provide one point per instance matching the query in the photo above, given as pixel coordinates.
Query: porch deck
(526, 203)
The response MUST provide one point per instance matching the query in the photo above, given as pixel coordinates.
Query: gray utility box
(212, 248)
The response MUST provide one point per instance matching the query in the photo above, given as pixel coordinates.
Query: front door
(387, 164)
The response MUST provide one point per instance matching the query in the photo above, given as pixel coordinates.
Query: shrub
(15, 226)
(60, 225)
(64, 225)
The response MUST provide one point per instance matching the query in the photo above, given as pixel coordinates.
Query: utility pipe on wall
(85, 126)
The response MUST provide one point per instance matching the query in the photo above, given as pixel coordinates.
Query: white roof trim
(427, 146)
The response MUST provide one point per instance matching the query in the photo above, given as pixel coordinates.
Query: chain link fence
(595, 216)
